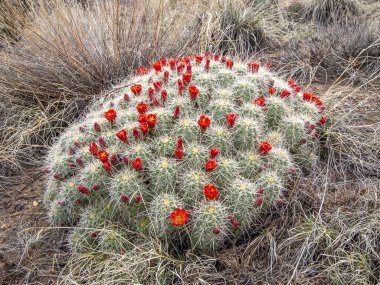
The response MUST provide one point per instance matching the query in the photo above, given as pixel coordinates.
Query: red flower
(323, 120)
(231, 119)
(103, 155)
(285, 93)
(186, 77)
(83, 189)
(229, 63)
(254, 67)
(110, 115)
(179, 153)
(176, 112)
(210, 191)
(179, 217)
(172, 63)
(107, 167)
(265, 147)
(94, 149)
(151, 120)
(97, 127)
(137, 198)
(136, 89)
(142, 118)
(180, 67)
(211, 165)
(204, 122)
(122, 135)
(144, 127)
(124, 198)
(163, 61)
(216, 231)
(193, 90)
(259, 201)
(157, 85)
(157, 66)
(214, 152)
(142, 107)
(271, 90)
(260, 101)
(137, 164)
(198, 59)
(216, 57)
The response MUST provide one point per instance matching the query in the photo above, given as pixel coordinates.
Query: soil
(31, 252)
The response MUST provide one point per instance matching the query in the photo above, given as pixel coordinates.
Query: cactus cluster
(189, 151)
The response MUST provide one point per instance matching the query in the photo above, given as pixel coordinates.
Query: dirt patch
(31, 252)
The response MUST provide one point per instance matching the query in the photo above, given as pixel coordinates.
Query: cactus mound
(189, 151)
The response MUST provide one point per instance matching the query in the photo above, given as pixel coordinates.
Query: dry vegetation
(57, 55)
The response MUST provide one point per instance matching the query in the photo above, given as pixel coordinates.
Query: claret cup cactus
(189, 151)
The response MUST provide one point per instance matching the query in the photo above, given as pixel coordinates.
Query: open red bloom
(122, 135)
(179, 153)
(204, 122)
(271, 90)
(231, 119)
(137, 164)
(136, 89)
(94, 149)
(157, 66)
(151, 119)
(210, 191)
(179, 217)
(211, 165)
(144, 127)
(142, 107)
(214, 152)
(186, 77)
(285, 93)
(193, 90)
(110, 115)
(260, 101)
(229, 63)
(107, 167)
(265, 147)
(103, 155)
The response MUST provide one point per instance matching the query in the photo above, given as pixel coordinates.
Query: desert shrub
(190, 151)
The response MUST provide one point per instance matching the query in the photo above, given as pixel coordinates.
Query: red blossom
(216, 231)
(151, 120)
(214, 152)
(144, 128)
(122, 135)
(259, 201)
(157, 66)
(210, 191)
(198, 59)
(138, 164)
(265, 147)
(322, 120)
(110, 115)
(285, 93)
(136, 89)
(272, 90)
(142, 107)
(193, 90)
(204, 122)
(103, 155)
(83, 189)
(179, 153)
(254, 67)
(142, 118)
(260, 101)
(179, 217)
(186, 77)
(211, 165)
(124, 198)
(229, 63)
(230, 118)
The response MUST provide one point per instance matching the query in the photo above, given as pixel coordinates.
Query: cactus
(190, 152)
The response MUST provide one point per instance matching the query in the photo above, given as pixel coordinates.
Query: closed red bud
(94, 234)
(77, 144)
(62, 203)
(180, 68)
(259, 201)
(144, 128)
(136, 134)
(71, 151)
(207, 65)
(229, 64)
(223, 59)
(125, 160)
(166, 75)
(216, 231)
(57, 176)
(235, 223)
(155, 102)
(176, 112)
(126, 97)
(179, 153)
(81, 129)
(280, 202)
(114, 159)
(107, 167)
(77, 202)
(186, 77)
(269, 65)
(303, 141)
(214, 152)
(312, 127)
(260, 191)
(157, 85)
(292, 170)
(272, 90)
(231, 218)
(112, 104)
(137, 199)
(164, 95)
(216, 57)
(95, 187)
(315, 135)
(188, 68)
(72, 165)
(198, 59)
(179, 143)
(180, 87)
(79, 161)
(124, 198)
(102, 142)
(97, 127)
(323, 120)
(83, 189)
(150, 93)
